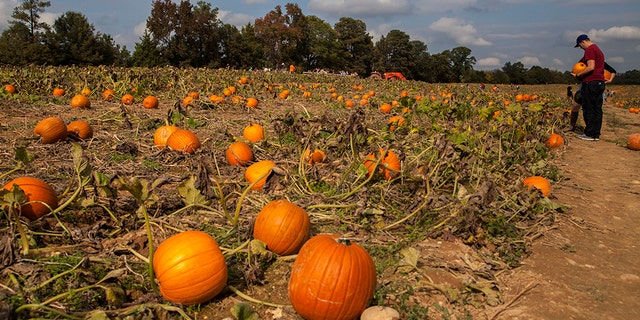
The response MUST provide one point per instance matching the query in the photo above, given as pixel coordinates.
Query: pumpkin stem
(344, 241)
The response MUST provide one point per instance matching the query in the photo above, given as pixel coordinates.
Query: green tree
(281, 35)
(22, 42)
(146, 53)
(461, 64)
(355, 46)
(74, 41)
(394, 53)
(322, 42)
(516, 72)
(421, 58)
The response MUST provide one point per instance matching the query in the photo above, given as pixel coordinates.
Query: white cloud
(236, 19)
(615, 59)
(615, 33)
(460, 31)
(558, 62)
(530, 61)
(361, 7)
(6, 8)
(139, 29)
(488, 62)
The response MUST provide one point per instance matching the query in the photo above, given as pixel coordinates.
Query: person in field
(592, 88)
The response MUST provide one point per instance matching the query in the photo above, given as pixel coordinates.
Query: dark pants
(592, 107)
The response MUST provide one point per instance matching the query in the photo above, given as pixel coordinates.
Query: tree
(22, 42)
(28, 14)
(421, 59)
(355, 46)
(322, 42)
(281, 35)
(147, 54)
(394, 53)
(462, 63)
(516, 72)
(75, 42)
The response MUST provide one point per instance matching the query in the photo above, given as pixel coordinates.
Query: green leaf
(23, 156)
(258, 247)
(190, 194)
(243, 311)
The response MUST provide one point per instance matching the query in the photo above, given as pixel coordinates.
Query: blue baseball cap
(581, 38)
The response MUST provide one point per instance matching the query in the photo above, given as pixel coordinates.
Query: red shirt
(594, 53)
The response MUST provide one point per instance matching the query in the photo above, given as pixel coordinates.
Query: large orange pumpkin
(183, 140)
(150, 102)
(253, 132)
(239, 153)
(633, 141)
(190, 268)
(80, 101)
(37, 192)
(538, 182)
(283, 226)
(50, 130)
(555, 140)
(257, 170)
(331, 278)
(578, 67)
(162, 134)
(81, 129)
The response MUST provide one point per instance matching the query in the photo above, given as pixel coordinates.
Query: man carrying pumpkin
(593, 85)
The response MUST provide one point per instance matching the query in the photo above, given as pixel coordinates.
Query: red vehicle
(387, 75)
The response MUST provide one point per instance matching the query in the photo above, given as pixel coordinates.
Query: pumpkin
(539, 183)
(282, 226)
(86, 92)
(193, 94)
(633, 141)
(578, 67)
(331, 278)
(187, 101)
(50, 130)
(239, 153)
(253, 132)
(150, 102)
(37, 193)
(257, 170)
(252, 102)
(127, 99)
(10, 89)
(81, 129)
(555, 140)
(108, 94)
(314, 157)
(389, 164)
(80, 101)
(58, 92)
(607, 75)
(385, 107)
(243, 80)
(284, 94)
(216, 99)
(395, 122)
(190, 268)
(183, 140)
(162, 134)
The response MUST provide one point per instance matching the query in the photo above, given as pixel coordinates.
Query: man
(575, 110)
(592, 88)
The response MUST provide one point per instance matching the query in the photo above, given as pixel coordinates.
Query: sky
(533, 32)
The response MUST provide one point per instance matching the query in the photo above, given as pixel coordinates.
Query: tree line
(187, 35)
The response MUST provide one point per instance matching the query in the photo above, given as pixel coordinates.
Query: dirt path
(588, 266)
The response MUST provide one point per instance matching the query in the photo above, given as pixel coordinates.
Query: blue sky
(534, 32)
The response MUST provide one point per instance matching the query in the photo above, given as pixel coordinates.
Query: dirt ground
(588, 265)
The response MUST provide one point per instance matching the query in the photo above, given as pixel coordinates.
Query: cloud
(615, 59)
(530, 61)
(367, 8)
(558, 62)
(615, 33)
(235, 19)
(6, 8)
(488, 62)
(460, 31)
(139, 29)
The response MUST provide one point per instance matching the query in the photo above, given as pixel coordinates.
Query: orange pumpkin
(385, 107)
(108, 94)
(193, 94)
(50, 130)
(253, 132)
(162, 134)
(314, 157)
(80, 101)
(187, 101)
(239, 153)
(190, 268)
(127, 99)
(10, 89)
(389, 164)
(607, 75)
(283, 226)
(150, 102)
(284, 94)
(578, 67)
(37, 193)
(80, 129)
(633, 141)
(331, 278)
(58, 92)
(539, 183)
(86, 92)
(252, 102)
(259, 169)
(395, 122)
(183, 140)
(555, 140)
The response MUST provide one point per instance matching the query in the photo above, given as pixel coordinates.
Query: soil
(588, 265)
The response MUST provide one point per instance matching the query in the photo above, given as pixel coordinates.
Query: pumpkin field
(166, 193)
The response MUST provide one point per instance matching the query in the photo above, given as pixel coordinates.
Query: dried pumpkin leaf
(409, 261)
(190, 194)
(243, 311)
